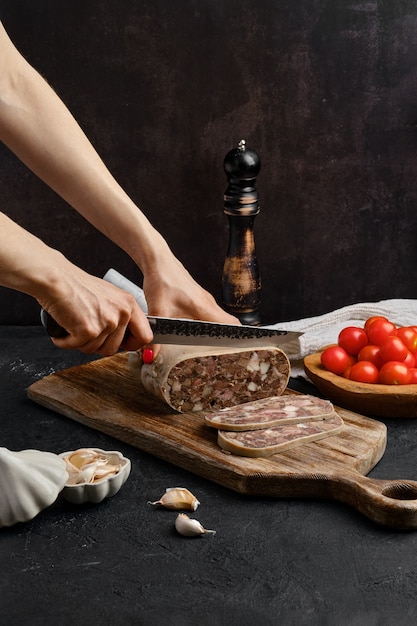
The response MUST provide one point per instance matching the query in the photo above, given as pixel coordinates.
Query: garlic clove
(82, 456)
(94, 474)
(85, 474)
(87, 465)
(190, 527)
(107, 470)
(177, 498)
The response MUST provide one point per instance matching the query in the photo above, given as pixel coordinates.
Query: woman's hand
(171, 292)
(99, 317)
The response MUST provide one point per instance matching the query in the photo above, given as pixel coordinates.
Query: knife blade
(196, 332)
(185, 331)
(167, 330)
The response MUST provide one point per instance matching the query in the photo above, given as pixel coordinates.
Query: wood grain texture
(376, 400)
(103, 395)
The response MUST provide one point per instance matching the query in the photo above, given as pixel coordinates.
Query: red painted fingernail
(147, 355)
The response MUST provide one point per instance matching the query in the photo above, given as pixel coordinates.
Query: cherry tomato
(408, 336)
(379, 330)
(410, 360)
(352, 339)
(335, 359)
(372, 319)
(413, 376)
(364, 372)
(370, 353)
(394, 373)
(352, 361)
(393, 349)
(346, 373)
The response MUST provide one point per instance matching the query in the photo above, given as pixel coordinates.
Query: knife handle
(118, 280)
(115, 278)
(52, 327)
(55, 330)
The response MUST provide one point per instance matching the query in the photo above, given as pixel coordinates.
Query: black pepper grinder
(241, 283)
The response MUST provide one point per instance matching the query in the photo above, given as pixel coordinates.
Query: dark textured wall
(324, 90)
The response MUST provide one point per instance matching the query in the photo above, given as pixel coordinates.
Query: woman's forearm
(94, 312)
(39, 129)
(26, 263)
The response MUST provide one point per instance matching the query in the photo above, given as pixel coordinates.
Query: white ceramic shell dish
(30, 481)
(99, 489)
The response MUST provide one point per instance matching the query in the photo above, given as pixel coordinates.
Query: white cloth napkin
(324, 329)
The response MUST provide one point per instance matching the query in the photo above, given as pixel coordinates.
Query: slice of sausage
(274, 411)
(269, 441)
(195, 378)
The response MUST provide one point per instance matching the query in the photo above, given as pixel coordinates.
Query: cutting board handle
(388, 502)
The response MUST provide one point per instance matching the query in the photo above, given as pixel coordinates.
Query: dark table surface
(272, 561)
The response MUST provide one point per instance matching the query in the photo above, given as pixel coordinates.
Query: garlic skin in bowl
(94, 474)
(30, 481)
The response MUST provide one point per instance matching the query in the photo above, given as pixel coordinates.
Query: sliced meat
(196, 378)
(274, 411)
(268, 441)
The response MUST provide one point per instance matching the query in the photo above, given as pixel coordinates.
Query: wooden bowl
(365, 398)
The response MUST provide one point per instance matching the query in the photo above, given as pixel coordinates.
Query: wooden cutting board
(104, 395)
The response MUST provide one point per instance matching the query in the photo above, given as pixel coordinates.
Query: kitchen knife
(185, 331)
(198, 333)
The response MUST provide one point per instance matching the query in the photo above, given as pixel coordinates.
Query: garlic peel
(177, 498)
(89, 465)
(94, 474)
(189, 527)
(30, 481)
